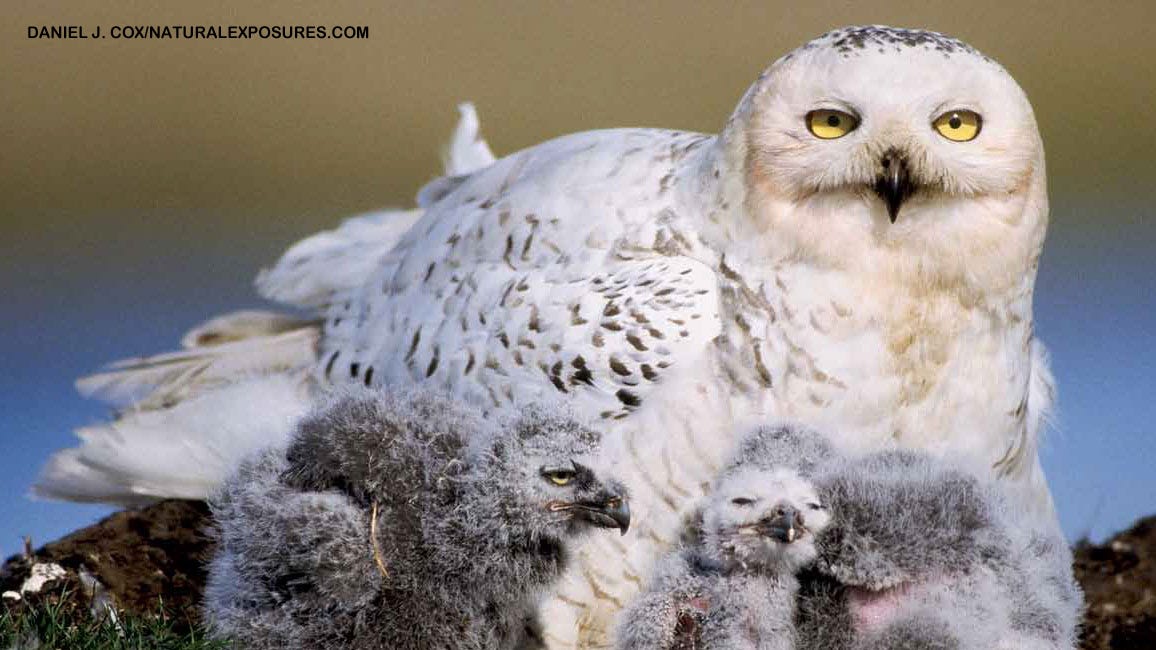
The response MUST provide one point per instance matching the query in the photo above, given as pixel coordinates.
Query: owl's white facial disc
(874, 137)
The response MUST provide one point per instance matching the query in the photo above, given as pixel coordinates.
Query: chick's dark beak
(784, 525)
(613, 511)
(894, 184)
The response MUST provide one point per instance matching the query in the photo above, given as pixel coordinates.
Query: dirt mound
(137, 558)
(1119, 580)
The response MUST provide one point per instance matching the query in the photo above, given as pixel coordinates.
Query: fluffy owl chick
(923, 554)
(404, 520)
(735, 587)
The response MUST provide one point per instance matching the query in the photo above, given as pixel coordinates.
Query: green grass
(59, 625)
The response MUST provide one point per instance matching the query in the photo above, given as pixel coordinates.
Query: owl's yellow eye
(829, 124)
(959, 125)
(559, 477)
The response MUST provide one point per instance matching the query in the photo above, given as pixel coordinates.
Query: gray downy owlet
(927, 555)
(405, 520)
(733, 582)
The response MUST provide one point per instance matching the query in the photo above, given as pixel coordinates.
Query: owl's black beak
(609, 510)
(614, 512)
(784, 525)
(894, 183)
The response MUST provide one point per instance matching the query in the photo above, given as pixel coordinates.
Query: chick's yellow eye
(829, 124)
(958, 126)
(558, 477)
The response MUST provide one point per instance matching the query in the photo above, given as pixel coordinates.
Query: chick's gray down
(471, 519)
(925, 555)
(733, 582)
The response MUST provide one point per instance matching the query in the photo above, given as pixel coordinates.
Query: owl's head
(763, 520)
(875, 140)
(539, 470)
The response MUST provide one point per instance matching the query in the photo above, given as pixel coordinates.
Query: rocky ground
(134, 560)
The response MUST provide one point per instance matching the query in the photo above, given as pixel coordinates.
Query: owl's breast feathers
(873, 359)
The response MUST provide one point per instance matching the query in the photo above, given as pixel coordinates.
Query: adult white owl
(856, 251)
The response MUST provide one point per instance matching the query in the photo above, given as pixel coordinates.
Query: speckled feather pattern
(506, 300)
(851, 40)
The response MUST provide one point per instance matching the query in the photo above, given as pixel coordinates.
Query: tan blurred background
(143, 182)
(293, 128)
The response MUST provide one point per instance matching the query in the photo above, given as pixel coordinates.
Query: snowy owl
(855, 250)
(736, 586)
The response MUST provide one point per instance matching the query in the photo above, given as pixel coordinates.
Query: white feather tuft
(184, 451)
(468, 151)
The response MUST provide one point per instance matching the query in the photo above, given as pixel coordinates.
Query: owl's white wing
(317, 270)
(564, 269)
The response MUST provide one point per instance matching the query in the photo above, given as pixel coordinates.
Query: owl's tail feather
(189, 416)
(217, 352)
(184, 419)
